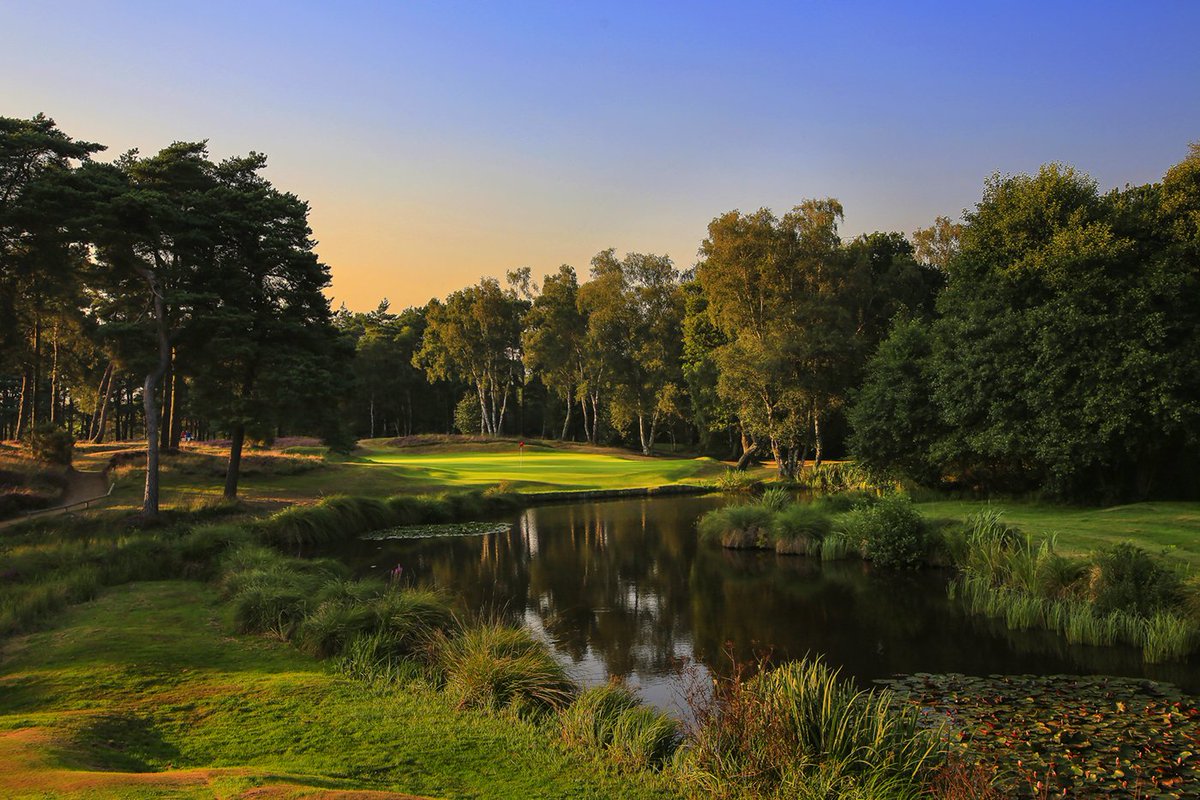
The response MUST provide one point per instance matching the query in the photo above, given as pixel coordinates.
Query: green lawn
(166, 704)
(1156, 526)
(538, 469)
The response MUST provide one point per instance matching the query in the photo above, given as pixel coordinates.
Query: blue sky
(438, 142)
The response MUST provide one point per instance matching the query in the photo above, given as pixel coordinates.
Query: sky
(438, 142)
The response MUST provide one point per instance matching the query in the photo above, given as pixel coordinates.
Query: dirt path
(80, 486)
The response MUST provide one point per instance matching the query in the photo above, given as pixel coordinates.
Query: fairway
(1173, 527)
(537, 469)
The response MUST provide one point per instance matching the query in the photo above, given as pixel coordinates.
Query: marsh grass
(496, 667)
(1122, 597)
(800, 726)
(737, 526)
(800, 529)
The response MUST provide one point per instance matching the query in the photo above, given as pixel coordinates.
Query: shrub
(467, 417)
(891, 531)
(737, 526)
(842, 502)
(52, 444)
(1128, 579)
(800, 529)
(495, 667)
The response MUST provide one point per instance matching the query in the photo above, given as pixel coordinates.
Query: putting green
(540, 469)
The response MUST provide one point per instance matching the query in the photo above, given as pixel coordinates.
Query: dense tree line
(1064, 354)
(1049, 341)
(157, 293)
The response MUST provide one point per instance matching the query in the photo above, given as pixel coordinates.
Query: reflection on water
(624, 588)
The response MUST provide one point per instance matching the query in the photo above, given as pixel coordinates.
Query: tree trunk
(178, 394)
(22, 417)
(817, 440)
(233, 471)
(372, 413)
(747, 455)
(149, 404)
(595, 418)
(567, 422)
(54, 375)
(96, 428)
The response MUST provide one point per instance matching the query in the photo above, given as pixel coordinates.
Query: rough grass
(87, 708)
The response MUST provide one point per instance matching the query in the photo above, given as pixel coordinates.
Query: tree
(40, 260)
(265, 320)
(938, 244)
(475, 336)
(553, 338)
(776, 290)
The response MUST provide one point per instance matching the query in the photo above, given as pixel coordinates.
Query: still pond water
(624, 588)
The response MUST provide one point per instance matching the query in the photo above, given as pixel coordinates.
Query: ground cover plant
(1063, 737)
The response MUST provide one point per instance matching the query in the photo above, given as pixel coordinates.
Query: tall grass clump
(611, 719)
(891, 532)
(840, 476)
(496, 667)
(800, 529)
(801, 725)
(739, 526)
(775, 499)
(736, 481)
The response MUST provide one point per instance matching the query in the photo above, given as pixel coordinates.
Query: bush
(468, 419)
(842, 502)
(1127, 579)
(891, 531)
(800, 529)
(52, 444)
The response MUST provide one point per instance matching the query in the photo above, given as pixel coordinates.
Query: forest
(1047, 343)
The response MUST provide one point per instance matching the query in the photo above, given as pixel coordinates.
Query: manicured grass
(538, 469)
(1080, 530)
(167, 703)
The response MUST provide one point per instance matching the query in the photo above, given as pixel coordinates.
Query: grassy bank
(100, 708)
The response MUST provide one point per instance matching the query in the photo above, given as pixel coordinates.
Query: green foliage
(801, 725)
(468, 419)
(51, 444)
(494, 667)
(1130, 580)
(800, 528)
(735, 480)
(891, 531)
(589, 721)
(775, 499)
(737, 526)
(838, 476)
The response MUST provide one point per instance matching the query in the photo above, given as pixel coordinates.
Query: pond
(625, 588)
